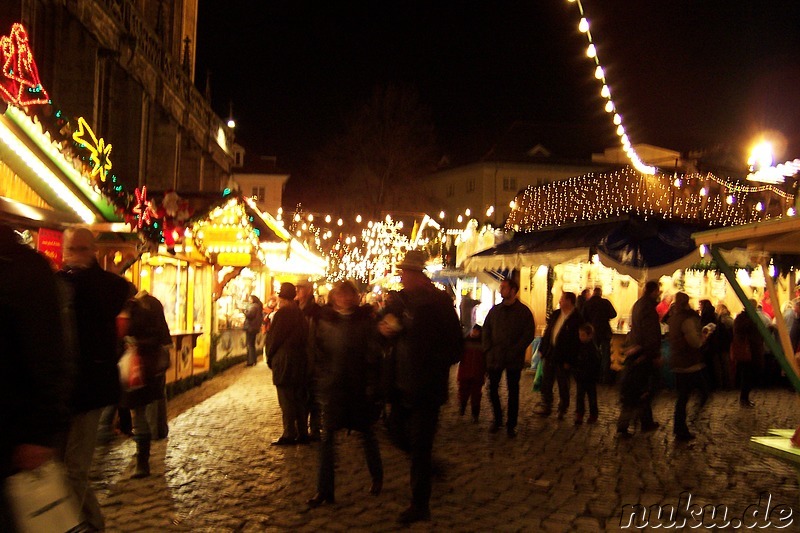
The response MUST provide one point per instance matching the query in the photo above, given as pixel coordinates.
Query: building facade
(127, 67)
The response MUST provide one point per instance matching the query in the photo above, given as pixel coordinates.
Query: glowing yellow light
(617, 119)
(598, 73)
(605, 92)
(311, 218)
(591, 51)
(583, 26)
(467, 212)
(99, 150)
(761, 156)
(609, 106)
(791, 212)
(441, 214)
(358, 219)
(327, 219)
(460, 219)
(339, 222)
(759, 206)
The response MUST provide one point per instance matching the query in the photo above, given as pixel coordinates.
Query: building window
(471, 185)
(509, 184)
(258, 194)
(451, 190)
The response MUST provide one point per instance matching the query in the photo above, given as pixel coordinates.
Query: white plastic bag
(131, 375)
(41, 500)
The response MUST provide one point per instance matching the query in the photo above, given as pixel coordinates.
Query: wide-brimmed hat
(287, 292)
(414, 260)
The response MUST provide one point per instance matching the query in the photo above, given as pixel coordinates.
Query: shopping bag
(537, 378)
(41, 500)
(131, 373)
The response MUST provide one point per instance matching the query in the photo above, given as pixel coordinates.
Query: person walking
(287, 357)
(148, 333)
(98, 297)
(37, 363)
(508, 330)
(311, 310)
(347, 360)
(426, 344)
(643, 353)
(560, 344)
(253, 320)
(685, 340)
(599, 311)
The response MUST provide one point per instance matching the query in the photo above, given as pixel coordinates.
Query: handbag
(41, 500)
(131, 371)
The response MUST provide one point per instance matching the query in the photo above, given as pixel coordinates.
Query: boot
(142, 459)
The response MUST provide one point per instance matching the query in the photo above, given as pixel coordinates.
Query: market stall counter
(182, 355)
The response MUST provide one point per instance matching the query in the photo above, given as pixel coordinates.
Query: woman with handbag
(347, 359)
(147, 337)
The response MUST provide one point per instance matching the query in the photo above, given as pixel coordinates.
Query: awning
(632, 245)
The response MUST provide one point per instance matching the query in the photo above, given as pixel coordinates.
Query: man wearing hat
(427, 342)
(286, 356)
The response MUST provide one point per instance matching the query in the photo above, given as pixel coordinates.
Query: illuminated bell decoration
(20, 84)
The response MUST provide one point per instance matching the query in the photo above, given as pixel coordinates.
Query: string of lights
(703, 199)
(605, 92)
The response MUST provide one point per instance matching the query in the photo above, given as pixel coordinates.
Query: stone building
(127, 67)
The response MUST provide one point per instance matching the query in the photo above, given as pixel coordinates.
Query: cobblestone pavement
(218, 472)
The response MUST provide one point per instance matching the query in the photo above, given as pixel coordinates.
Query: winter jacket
(254, 317)
(97, 298)
(347, 359)
(36, 367)
(565, 351)
(286, 346)
(645, 328)
(684, 340)
(428, 344)
(150, 332)
(507, 332)
(598, 311)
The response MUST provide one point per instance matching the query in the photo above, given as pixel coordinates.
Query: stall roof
(778, 236)
(633, 245)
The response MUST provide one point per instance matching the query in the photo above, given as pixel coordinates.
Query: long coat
(566, 349)
(286, 346)
(347, 358)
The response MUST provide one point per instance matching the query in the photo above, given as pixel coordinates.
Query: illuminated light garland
(605, 92)
(776, 174)
(143, 208)
(703, 199)
(20, 83)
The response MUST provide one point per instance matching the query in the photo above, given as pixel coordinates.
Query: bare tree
(388, 144)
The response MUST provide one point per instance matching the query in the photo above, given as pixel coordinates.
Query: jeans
(685, 383)
(512, 384)
(555, 372)
(78, 453)
(327, 459)
(250, 341)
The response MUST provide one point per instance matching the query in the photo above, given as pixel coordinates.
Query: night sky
(685, 74)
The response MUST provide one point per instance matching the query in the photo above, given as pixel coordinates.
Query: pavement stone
(217, 471)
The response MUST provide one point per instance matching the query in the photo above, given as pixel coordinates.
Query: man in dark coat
(97, 298)
(311, 310)
(599, 311)
(35, 363)
(508, 330)
(560, 345)
(427, 343)
(287, 357)
(643, 352)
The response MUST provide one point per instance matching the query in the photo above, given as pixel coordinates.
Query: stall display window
(170, 285)
(201, 288)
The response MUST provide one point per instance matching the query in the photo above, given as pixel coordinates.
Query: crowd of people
(65, 333)
(341, 365)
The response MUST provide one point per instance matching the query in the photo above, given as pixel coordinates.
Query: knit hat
(287, 292)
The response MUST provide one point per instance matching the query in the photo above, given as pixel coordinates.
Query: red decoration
(20, 84)
(143, 209)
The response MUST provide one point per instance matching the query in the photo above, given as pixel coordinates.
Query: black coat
(149, 329)
(35, 362)
(428, 344)
(286, 347)
(97, 298)
(566, 349)
(347, 359)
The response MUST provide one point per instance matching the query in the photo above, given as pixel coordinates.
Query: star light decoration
(697, 198)
(99, 150)
(20, 82)
(142, 208)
